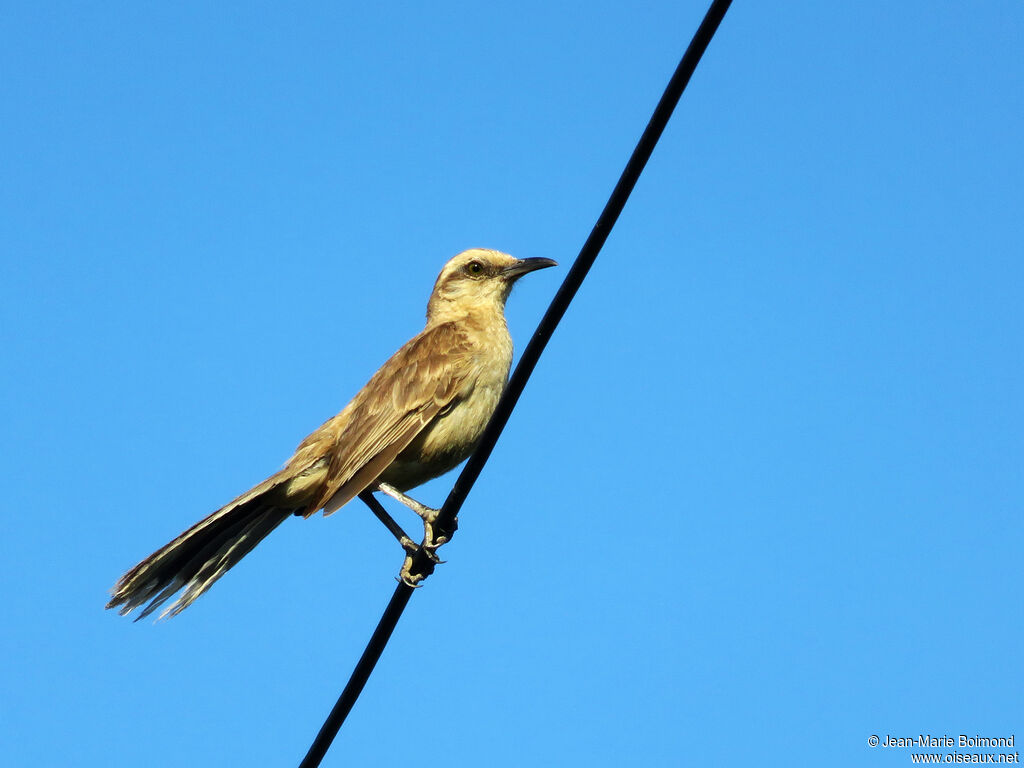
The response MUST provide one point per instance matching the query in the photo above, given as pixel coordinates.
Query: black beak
(522, 266)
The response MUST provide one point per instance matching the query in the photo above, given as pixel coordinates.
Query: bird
(419, 416)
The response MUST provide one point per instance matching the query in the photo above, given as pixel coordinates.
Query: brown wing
(409, 390)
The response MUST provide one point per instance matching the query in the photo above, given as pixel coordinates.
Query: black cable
(573, 280)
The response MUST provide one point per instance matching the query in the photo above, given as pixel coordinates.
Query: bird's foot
(414, 572)
(412, 578)
(435, 535)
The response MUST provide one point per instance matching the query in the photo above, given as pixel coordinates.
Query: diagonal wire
(546, 327)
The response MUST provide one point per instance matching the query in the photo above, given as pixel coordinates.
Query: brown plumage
(419, 416)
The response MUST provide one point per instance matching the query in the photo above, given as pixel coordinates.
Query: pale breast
(453, 434)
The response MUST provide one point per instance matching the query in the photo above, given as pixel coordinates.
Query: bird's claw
(432, 539)
(435, 536)
(414, 580)
(431, 552)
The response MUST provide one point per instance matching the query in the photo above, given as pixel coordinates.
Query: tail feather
(197, 558)
(228, 555)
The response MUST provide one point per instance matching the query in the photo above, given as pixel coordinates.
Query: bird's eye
(475, 268)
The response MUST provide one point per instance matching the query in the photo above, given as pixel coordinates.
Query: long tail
(201, 555)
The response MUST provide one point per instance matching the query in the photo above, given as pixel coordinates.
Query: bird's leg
(375, 506)
(411, 548)
(427, 513)
(432, 538)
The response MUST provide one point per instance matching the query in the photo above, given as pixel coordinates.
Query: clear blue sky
(762, 498)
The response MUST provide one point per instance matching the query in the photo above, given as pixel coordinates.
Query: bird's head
(478, 280)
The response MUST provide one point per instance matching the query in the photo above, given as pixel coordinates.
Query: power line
(573, 280)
